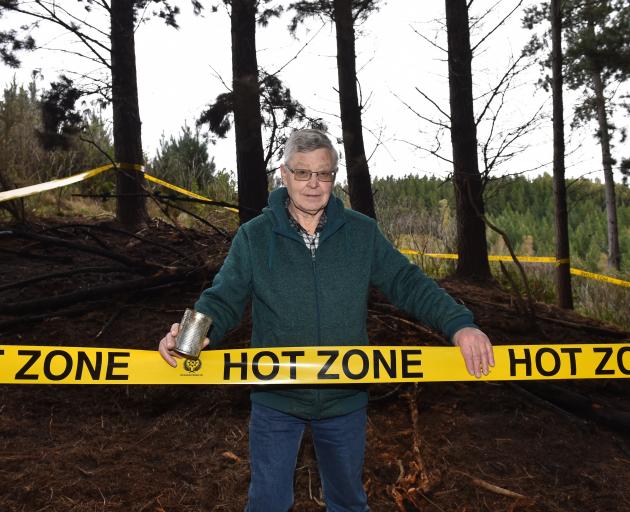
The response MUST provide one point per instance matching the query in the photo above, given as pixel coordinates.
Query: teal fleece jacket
(298, 300)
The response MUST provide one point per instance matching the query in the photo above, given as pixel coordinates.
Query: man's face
(312, 195)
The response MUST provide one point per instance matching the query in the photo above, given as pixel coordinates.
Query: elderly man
(307, 264)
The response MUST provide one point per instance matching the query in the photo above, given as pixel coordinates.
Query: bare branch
(299, 51)
(434, 152)
(78, 54)
(498, 25)
(434, 104)
(479, 19)
(220, 78)
(80, 20)
(508, 76)
(53, 18)
(429, 120)
(432, 43)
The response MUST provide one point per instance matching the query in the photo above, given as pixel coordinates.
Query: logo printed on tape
(192, 365)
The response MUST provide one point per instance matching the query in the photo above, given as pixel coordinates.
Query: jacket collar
(276, 212)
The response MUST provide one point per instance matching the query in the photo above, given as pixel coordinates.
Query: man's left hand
(476, 350)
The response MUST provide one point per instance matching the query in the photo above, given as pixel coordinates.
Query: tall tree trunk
(250, 162)
(359, 183)
(563, 274)
(614, 256)
(471, 231)
(131, 209)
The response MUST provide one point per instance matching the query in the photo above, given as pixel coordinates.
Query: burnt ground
(485, 446)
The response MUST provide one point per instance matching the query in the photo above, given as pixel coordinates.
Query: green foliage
(418, 213)
(305, 9)
(60, 119)
(23, 161)
(597, 40)
(11, 43)
(523, 208)
(280, 112)
(184, 160)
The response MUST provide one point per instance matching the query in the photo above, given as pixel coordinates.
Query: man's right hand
(167, 346)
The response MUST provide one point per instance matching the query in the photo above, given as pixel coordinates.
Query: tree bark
(563, 274)
(614, 256)
(471, 232)
(359, 182)
(250, 163)
(131, 209)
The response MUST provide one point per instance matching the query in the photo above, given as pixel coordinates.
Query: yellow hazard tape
(182, 190)
(63, 182)
(529, 259)
(307, 365)
(599, 277)
(500, 257)
(7, 195)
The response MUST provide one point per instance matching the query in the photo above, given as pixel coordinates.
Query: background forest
(415, 212)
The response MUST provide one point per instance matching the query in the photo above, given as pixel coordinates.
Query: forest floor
(487, 446)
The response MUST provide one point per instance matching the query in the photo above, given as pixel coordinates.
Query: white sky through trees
(181, 71)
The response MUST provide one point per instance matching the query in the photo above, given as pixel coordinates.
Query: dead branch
(64, 273)
(420, 475)
(496, 27)
(195, 216)
(580, 405)
(32, 256)
(522, 308)
(491, 487)
(170, 248)
(105, 291)
(29, 320)
(130, 262)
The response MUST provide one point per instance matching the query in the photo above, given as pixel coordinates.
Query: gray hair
(309, 139)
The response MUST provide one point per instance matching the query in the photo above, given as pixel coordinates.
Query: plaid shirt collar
(311, 241)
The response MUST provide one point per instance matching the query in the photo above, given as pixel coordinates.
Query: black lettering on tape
(292, 355)
(83, 361)
(572, 351)
(228, 365)
(323, 374)
(364, 362)
(1, 352)
(275, 365)
(556, 362)
(407, 362)
(607, 351)
(34, 356)
(48, 365)
(526, 360)
(388, 366)
(112, 365)
(620, 361)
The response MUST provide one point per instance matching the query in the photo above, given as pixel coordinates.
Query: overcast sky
(181, 71)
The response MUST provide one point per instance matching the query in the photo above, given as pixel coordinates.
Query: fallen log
(171, 248)
(67, 299)
(580, 405)
(62, 273)
(50, 240)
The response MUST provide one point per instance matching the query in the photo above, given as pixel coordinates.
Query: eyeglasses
(304, 175)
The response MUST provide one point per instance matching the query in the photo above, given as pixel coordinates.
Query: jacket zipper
(318, 322)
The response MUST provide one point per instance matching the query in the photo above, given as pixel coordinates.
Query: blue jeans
(274, 442)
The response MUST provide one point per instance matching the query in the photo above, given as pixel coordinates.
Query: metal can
(193, 329)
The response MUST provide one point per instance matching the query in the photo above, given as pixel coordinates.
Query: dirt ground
(484, 446)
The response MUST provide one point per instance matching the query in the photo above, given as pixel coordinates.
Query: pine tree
(597, 58)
